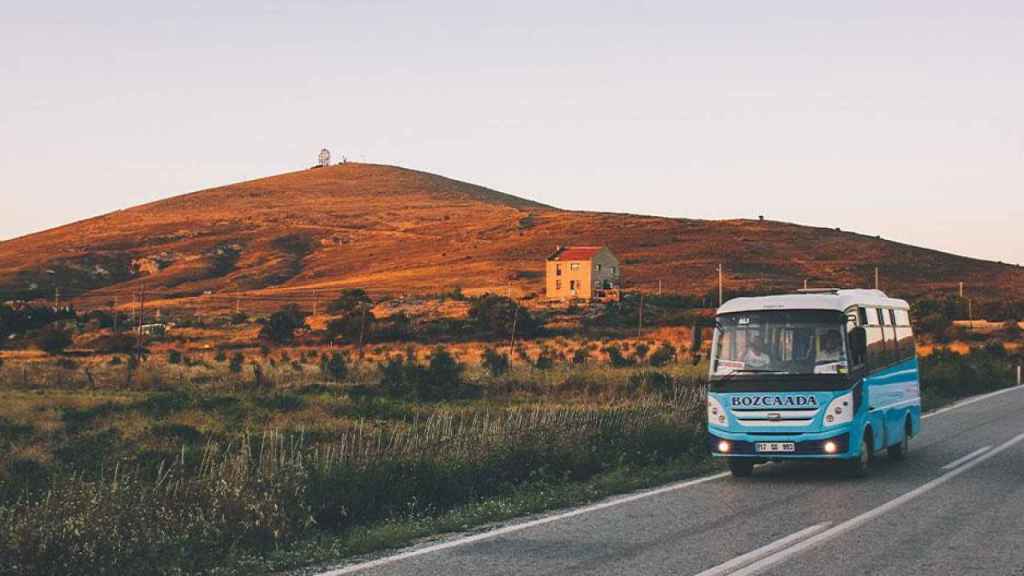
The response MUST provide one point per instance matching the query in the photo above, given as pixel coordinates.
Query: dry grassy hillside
(393, 230)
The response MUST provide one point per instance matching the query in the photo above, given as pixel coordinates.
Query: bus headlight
(839, 410)
(831, 447)
(716, 414)
(724, 446)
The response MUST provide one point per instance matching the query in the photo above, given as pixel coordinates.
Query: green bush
(494, 362)
(616, 358)
(334, 368)
(236, 363)
(664, 354)
(174, 357)
(580, 356)
(281, 326)
(54, 339)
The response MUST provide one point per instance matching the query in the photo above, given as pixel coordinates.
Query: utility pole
(56, 298)
(961, 289)
(142, 313)
(512, 343)
(805, 283)
(640, 321)
(659, 287)
(720, 290)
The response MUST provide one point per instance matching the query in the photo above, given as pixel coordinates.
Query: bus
(818, 374)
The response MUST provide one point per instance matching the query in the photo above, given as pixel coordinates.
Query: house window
(613, 270)
(558, 284)
(597, 267)
(558, 269)
(597, 284)
(572, 285)
(574, 267)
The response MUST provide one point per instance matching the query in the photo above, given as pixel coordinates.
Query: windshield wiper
(730, 375)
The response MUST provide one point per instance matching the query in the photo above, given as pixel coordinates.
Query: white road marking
(610, 503)
(767, 550)
(857, 521)
(971, 401)
(963, 459)
(523, 526)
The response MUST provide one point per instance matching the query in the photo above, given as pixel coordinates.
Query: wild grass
(181, 474)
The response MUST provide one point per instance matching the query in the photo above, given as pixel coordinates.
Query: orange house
(581, 273)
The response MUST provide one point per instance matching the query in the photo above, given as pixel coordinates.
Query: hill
(398, 231)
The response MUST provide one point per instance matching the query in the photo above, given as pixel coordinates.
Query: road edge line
(493, 533)
(969, 401)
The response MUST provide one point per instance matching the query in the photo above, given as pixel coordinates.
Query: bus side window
(852, 317)
(905, 334)
(891, 343)
(876, 343)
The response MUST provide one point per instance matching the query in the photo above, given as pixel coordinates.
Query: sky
(901, 119)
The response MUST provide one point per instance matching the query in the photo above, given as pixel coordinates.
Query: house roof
(575, 252)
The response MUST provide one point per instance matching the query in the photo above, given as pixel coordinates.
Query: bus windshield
(780, 342)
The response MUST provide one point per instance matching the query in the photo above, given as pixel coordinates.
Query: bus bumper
(816, 445)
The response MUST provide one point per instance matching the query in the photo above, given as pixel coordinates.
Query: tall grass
(265, 491)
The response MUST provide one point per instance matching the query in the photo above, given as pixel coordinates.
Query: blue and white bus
(824, 374)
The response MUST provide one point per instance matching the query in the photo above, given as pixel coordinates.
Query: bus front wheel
(741, 468)
(859, 466)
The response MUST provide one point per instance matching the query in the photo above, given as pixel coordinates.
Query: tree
(354, 327)
(54, 339)
(281, 326)
(494, 315)
(350, 300)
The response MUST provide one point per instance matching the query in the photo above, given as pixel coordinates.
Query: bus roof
(838, 300)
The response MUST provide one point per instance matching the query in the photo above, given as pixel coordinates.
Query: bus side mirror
(858, 342)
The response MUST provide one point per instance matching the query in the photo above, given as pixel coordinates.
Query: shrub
(354, 327)
(641, 351)
(665, 354)
(650, 382)
(494, 362)
(334, 368)
(349, 300)
(493, 316)
(617, 359)
(54, 339)
(221, 356)
(580, 356)
(281, 326)
(174, 357)
(236, 363)
(545, 360)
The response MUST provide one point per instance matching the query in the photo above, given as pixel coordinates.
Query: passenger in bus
(831, 348)
(756, 356)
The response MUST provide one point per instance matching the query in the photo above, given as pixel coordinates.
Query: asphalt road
(929, 514)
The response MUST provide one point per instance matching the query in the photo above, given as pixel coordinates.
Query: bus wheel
(899, 451)
(741, 468)
(860, 466)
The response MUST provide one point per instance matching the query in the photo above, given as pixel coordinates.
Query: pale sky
(904, 119)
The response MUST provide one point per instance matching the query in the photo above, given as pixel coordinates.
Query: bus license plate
(775, 447)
